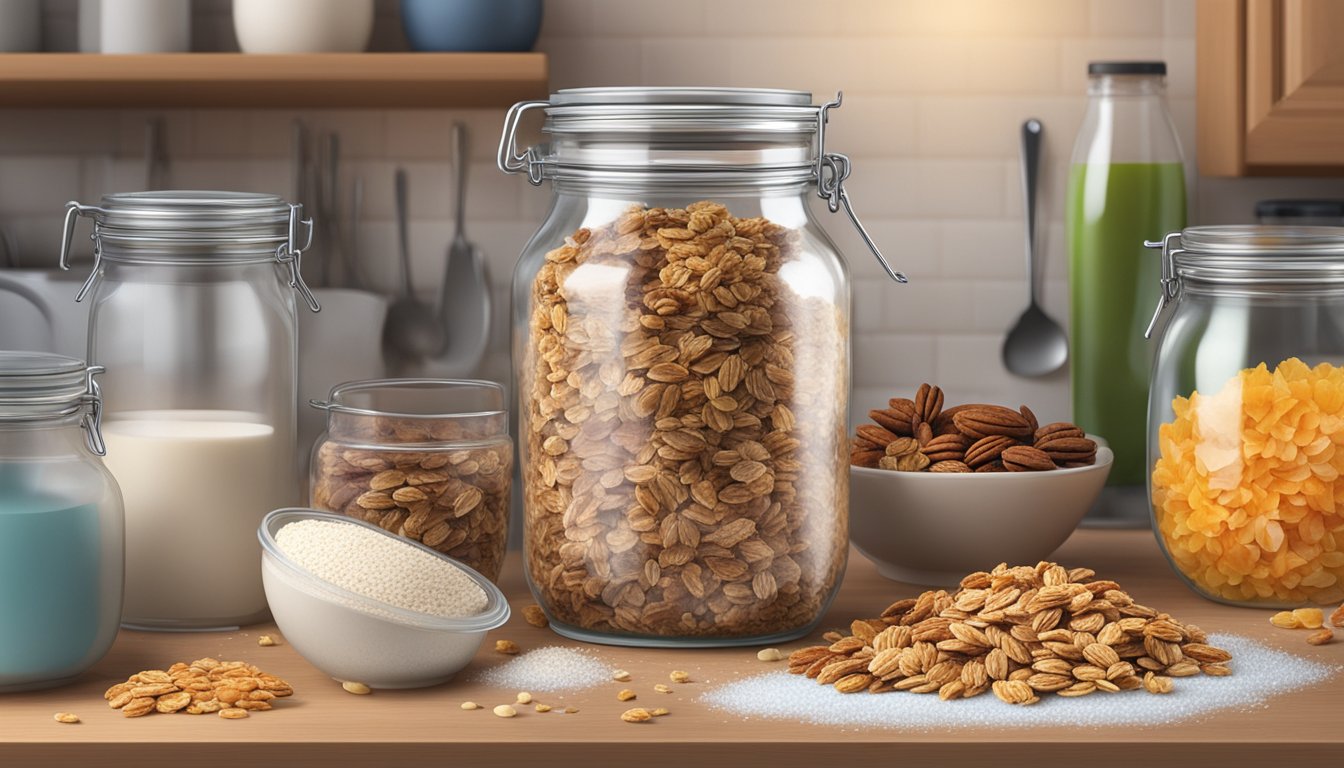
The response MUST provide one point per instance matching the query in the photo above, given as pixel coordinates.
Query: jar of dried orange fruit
(1246, 413)
(681, 342)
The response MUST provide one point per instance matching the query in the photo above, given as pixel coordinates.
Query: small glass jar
(428, 459)
(61, 525)
(193, 315)
(1246, 415)
(681, 348)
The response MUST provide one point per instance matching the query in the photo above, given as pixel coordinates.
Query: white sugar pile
(1259, 673)
(389, 570)
(548, 669)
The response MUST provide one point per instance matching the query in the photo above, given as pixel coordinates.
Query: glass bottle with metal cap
(1246, 416)
(61, 523)
(681, 351)
(193, 315)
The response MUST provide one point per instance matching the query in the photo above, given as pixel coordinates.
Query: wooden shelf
(321, 725)
(237, 80)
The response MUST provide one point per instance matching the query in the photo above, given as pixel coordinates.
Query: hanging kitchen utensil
(1036, 345)
(464, 302)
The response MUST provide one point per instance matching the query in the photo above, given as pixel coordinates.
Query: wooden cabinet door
(1270, 87)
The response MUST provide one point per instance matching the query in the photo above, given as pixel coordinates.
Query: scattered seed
(534, 615)
(636, 715)
(625, 694)
(66, 717)
(1309, 618)
(1337, 618)
(359, 689)
(266, 641)
(571, 710)
(470, 705)
(769, 654)
(662, 688)
(620, 676)
(543, 707)
(1285, 620)
(524, 697)
(659, 712)
(1321, 636)
(233, 713)
(679, 676)
(507, 647)
(504, 710)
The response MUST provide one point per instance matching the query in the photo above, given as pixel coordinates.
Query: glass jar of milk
(193, 315)
(60, 524)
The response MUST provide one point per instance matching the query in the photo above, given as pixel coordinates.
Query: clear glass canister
(681, 348)
(193, 315)
(1246, 416)
(61, 523)
(428, 459)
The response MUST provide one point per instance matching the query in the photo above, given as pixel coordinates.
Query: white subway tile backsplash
(1135, 18)
(37, 183)
(935, 93)
(752, 18)
(984, 249)
(892, 359)
(929, 188)
(966, 18)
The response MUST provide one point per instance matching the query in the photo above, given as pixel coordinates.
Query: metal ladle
(1036, 345)
(412, 332)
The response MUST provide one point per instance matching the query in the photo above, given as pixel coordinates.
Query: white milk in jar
(196, 484)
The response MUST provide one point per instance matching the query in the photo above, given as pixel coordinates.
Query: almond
(928, 402)
(992, 420)
(892, 420)
(876, 435)
(1024, 458)
(987, 449)
(951, 447)
(1058, 429)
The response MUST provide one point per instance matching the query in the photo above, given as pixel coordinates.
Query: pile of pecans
(683, 436)
(230, 688)
(920, 435)
(1019, 632)
(407, 476)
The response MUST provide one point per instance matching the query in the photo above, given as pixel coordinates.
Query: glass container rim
(333, 405)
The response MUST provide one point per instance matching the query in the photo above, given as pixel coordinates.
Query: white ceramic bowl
(933, 529)
(396, 648)
(303, 26)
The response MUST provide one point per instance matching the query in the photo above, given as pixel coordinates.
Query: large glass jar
(428, 459)
(681, 348)
(193, 315)
(60, 524)
(1246, 415)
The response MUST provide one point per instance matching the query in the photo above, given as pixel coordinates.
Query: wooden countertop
(323, 725)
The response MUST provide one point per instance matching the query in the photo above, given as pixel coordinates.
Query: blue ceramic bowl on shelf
(471, 25)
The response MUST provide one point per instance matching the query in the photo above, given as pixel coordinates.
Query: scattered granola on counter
(1018, 632)
(202, 687)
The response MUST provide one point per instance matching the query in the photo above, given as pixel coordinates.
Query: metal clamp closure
(832, 170)
(510, 160)
(290, 253)
(1171, 285)
(73, 210)
(92, 423)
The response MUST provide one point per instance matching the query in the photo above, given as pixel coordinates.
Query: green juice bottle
(1126, 185)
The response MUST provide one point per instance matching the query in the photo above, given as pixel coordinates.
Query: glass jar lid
(38, 385)
(1250, 259)
(194, 228)
(1250, 254)
(692, 139)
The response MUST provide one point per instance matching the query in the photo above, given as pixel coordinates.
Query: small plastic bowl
(933, 529)
(356, 638)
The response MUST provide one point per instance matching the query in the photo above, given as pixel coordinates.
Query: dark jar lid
(1127, 68)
